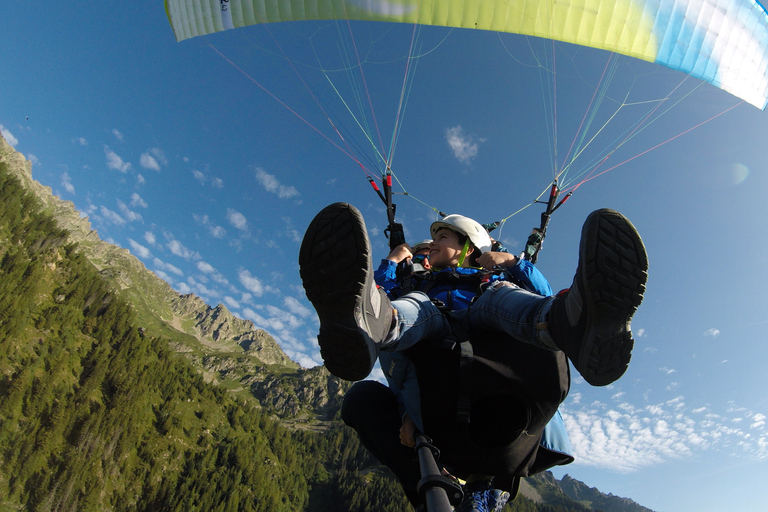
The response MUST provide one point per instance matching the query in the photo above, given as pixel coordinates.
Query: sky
(207, 159)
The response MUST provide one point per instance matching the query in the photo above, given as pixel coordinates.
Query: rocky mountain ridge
(597, 500)
(215, 328)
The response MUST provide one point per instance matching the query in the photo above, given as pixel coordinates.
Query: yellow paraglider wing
(724, 42)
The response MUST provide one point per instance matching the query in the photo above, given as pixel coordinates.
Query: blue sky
(181, 153)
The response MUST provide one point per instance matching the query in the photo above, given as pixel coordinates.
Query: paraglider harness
(485, 397)
(485, 400)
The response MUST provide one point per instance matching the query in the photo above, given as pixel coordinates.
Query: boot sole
(614, 272)
(335, 267)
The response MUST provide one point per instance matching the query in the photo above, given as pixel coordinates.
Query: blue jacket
(457, 295)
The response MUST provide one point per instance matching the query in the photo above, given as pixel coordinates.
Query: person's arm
(386, 275)
(407, 431)
(531, 278)
(522, 271)
(400, 253)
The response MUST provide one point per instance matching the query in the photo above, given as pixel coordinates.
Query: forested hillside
(94, 416)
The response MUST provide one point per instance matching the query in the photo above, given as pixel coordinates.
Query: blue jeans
(503, 307)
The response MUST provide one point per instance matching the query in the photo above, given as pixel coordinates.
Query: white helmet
(424, 244)
(467, 227)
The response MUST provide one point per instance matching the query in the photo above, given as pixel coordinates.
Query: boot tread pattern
(616, 273)
(333, 262)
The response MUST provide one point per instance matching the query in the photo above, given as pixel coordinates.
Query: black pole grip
(439, 493)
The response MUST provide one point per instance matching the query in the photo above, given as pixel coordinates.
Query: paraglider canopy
(724, 42)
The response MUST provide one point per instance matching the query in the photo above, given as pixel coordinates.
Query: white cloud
(147, 161)
(282, 325)
(118, 135)
(464, 146)
(219, 278)
(624, 438)
(199, 176)
(165, 277)
(307, 361)
(153, 159)
(237, 219)
(150, 237)
(111, 216)
(204, 267)
(81, 141)
(217, 183)
(214, 230)
(296, 307)
(291, 232)
(139, 250)
(66, 182)
(159, 155)
(207, 294)
(128, 214)
(136, 200)
(217, 231)
(712, 332)
(178, 249)
(116, 163)
(287, 319)
(8, 136)
(158, 263)
(140, 179)
(251, 283)
(271, 184)
(231, 302)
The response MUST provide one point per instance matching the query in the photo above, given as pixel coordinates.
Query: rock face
(67, 216)
(597, 500)
(216, 328)
(224, 329)
(292, 396)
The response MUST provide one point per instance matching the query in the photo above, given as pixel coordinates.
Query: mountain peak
(215, 328)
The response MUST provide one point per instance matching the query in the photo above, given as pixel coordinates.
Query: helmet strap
(464, 251)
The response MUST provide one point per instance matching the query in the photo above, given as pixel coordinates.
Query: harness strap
(464, 400)
(424, 280)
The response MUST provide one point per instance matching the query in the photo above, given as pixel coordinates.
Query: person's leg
(590, 321)
(371, 409)
(336, 270)
(356, 317)
(416, 318)
(508, 308)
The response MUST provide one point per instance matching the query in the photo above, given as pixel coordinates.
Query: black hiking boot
(591, 321)
(335, 266)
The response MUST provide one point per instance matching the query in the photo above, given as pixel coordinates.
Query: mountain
(215, 329)
(117, 393)
(596, 499)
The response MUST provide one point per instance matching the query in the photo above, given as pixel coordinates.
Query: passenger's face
(425, 260)
(444, 250)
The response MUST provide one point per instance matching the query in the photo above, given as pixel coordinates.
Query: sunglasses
(420, 258)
